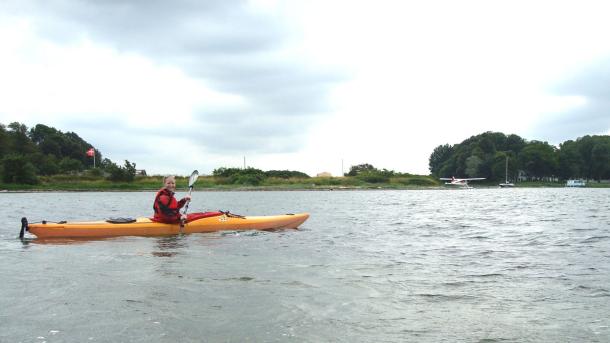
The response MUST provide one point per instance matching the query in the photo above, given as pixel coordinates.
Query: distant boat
(460, 182)
(506, 184)
(576, 183)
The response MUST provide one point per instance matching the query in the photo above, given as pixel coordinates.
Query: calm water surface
(482, 265)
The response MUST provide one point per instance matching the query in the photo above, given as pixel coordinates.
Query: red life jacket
(167, 209)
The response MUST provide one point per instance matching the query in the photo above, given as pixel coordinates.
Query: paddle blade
(193, 178)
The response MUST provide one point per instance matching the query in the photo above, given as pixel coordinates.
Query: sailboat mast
(506, 170)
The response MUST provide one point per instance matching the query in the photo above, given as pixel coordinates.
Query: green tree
(600, 160)
(499, 166)
(68, 165)
(473, 163)
(130, 171)
(361, 168)
(538, 159)
(19, 142)
(41, 133)
(4, 141)
(585, 147)
(457, 161)
(45, 164)
(587, 157)
(486, 144)
(569, 160)
(52, 141)
(125, 173)
(514, 143)
(106, 164)
(17, 169)
(439, 157)
(373, 177)
(285, 174)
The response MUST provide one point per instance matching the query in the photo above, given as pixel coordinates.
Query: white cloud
(300, 85)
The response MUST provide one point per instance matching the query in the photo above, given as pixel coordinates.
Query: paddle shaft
(192, 181)
(186, 208)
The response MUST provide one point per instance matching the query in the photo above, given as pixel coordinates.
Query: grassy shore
(152, 183)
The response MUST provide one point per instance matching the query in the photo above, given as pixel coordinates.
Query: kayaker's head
(169, 183)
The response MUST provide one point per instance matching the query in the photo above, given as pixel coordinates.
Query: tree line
(361, 173)
(26, 154)
(484, 155)
(252, 176)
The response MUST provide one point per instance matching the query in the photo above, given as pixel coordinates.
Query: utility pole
(244, 162)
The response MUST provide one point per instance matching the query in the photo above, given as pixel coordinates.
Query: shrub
(247, 179)
(17, 169)
(96, 172)
(373, 177)
(70, 165)
(285, 174)
(125, 173)
(414, 181)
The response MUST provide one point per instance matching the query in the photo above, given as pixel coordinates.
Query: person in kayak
(166, 207)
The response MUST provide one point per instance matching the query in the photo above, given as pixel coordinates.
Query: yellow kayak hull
(146, 227)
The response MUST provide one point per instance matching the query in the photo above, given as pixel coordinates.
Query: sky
(314, 86)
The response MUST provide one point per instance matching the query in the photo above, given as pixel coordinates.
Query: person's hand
(183, 218)
(187, 197)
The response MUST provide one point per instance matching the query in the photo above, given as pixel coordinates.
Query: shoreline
(288, 189)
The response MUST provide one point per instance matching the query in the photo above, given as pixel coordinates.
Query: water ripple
(483, 265)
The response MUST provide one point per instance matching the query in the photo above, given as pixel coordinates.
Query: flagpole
(90, 153)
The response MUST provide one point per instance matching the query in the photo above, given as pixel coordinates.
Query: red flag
(90, 152)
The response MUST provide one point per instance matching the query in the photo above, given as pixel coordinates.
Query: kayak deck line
(144, 226)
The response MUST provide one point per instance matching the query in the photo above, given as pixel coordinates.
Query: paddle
(192, 180)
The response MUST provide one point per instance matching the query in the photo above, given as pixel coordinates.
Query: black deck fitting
(24, 227)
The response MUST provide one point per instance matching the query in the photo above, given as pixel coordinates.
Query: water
(482, 265)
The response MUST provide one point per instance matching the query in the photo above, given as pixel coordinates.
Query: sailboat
(506, 184)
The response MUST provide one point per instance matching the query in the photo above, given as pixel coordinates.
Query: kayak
(216, 221)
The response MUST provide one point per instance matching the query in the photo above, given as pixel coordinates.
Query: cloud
(299, 85)
(237, 50)
(590, 84)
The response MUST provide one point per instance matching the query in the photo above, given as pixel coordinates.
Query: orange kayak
(147, 227)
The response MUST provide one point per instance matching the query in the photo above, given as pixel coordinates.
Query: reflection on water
(63, 241)
(168, 245)
(164, 253)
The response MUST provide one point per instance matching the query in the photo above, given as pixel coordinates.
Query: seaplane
(460, 182)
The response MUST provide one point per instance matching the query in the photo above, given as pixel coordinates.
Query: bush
(373, 177)
(286, 174)
(125, 173)
(95, 172)
(17, 169)
(222, 180)
(415, 181)
(236, 176)
(247, 179)
(45, 164)
(228, 172)
(327, 181)
(49, 167)
(70, 165)
(361, 169)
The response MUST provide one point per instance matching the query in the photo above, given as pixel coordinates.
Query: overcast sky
(302, 85)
